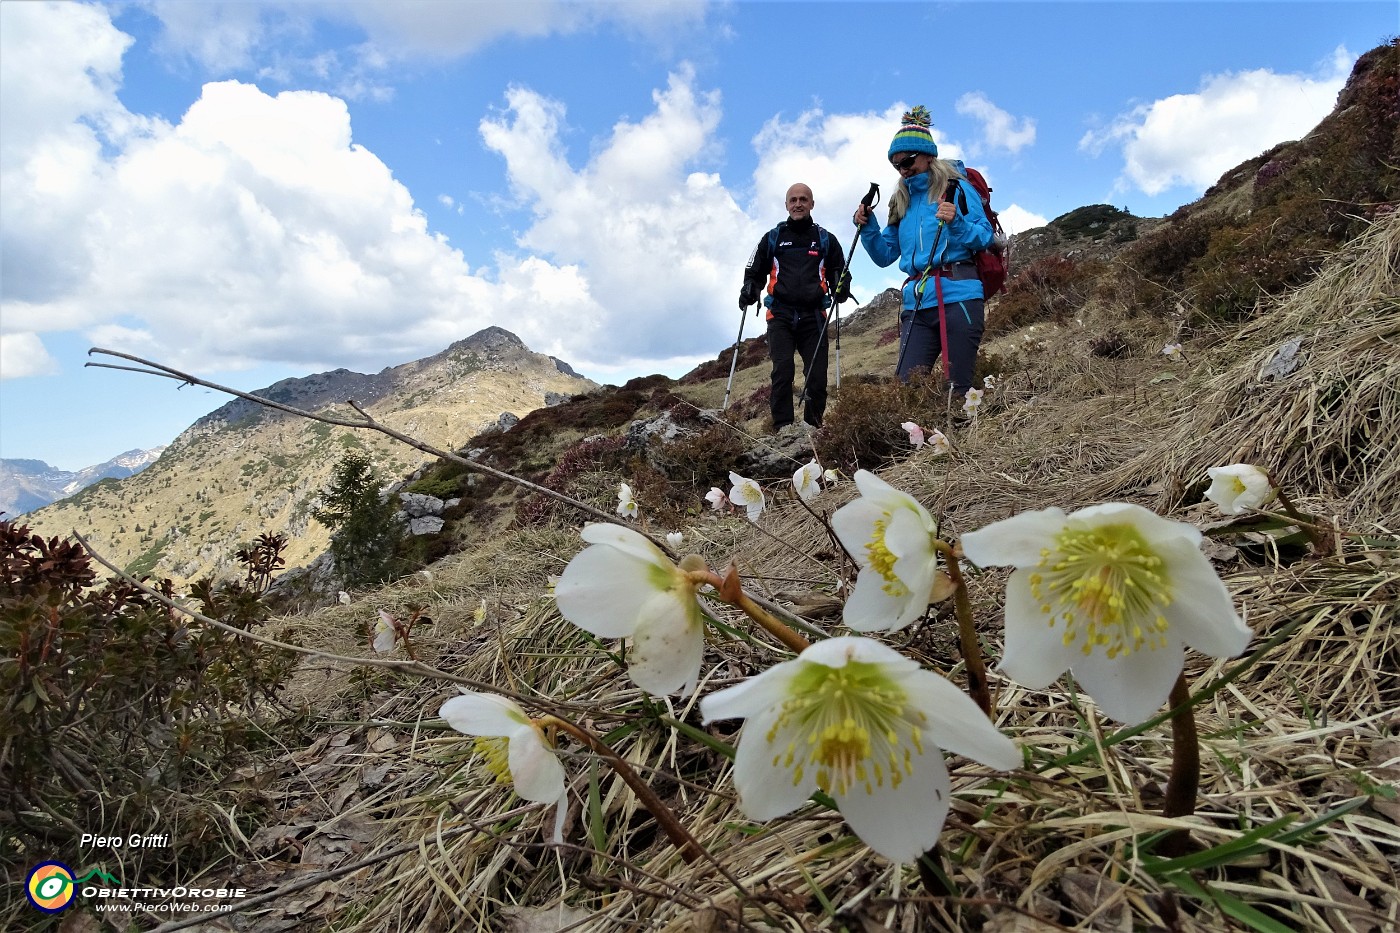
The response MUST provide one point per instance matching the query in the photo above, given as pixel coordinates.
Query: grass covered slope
(1297, 819)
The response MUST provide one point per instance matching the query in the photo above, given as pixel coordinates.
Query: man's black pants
(805, 334)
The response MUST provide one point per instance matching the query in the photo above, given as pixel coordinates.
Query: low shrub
(121, 714)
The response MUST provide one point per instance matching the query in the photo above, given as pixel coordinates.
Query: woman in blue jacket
(936, 223)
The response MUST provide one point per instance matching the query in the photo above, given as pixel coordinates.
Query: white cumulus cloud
(1000, 130)
(24, 355)
(1016, 219)
(225, 36)
(1192, 139)
(656, 237)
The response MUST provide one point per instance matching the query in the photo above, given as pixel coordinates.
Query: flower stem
(732, 593)
(967, 634)
(680, 836)
(1308, 524)
(1185, 779)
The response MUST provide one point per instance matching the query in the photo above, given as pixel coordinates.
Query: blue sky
(256, 190)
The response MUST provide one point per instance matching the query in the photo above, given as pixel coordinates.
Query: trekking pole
(872, 197)
(734, 362)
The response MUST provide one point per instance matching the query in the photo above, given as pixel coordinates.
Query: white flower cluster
(1112, 593)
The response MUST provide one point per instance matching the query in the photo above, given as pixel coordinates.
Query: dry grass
(1332, 426)
(1297, 822)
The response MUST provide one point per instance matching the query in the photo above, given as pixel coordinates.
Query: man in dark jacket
(802, 265)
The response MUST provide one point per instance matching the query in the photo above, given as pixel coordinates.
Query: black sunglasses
(904, 163)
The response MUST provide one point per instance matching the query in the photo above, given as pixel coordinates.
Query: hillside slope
(244, 470)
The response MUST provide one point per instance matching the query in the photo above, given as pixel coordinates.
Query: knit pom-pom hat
(914, 135)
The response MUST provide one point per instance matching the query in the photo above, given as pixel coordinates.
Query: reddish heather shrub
(1050, 288)
(751, 353)
(862, 429)
(595, 455)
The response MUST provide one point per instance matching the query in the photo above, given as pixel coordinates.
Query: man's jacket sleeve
(756, 272)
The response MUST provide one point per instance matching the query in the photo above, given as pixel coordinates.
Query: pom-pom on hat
(914, 135)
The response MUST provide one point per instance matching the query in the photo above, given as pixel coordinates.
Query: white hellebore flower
(1172, 351)
(989, 383)
(528, 762)
(891, 536)
(674, 538)
(1112, 593)
(748, 494)
(938, 443)
(832, 476)
(385, 634)
(623, 586)
(807, 481)
(972, 401)
(916, 433)
(865, 724)
(1239, 487)
(716, 498)
(626, 505)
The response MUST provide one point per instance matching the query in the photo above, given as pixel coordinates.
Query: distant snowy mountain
(26, 485)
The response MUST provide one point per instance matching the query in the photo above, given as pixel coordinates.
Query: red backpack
(993, 261)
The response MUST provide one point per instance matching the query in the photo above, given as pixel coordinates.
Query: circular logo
(50, 886)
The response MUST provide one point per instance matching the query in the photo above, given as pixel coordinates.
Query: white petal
(872, 486)
(622, 538)
(603, 591)
(1202, 612)
(1016, 541)
(484, 714)
(956, 723)
(767, 791)
(854, 524)
(1155, 529)
(667, 645)
(838, 652)
(534, 768)
(1131, 687)
(561, 809)
(870, 609)
(751, 697)
(902, 823)
(1035, 654)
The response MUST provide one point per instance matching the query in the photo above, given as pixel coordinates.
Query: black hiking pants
(802, 332)
(921, 341)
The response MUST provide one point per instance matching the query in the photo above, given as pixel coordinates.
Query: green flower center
(851, 724)
(1108, 588)
(494, 756)
(882, 560)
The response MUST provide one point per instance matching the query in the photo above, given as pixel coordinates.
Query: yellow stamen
(494, 755)
(883, 561)
(852, 725)
(1106, 587)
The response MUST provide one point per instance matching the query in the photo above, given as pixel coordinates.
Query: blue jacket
(918, 242)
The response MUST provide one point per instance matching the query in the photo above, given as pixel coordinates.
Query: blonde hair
(940, 172)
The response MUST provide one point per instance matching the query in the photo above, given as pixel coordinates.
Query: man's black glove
(747, 296)
(843, 289)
